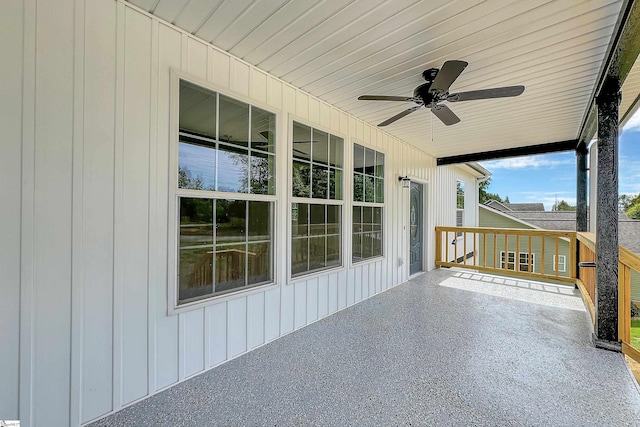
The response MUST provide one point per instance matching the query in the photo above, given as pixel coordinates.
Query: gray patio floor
(446, 348)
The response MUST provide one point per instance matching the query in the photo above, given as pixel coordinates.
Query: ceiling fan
(436, 90)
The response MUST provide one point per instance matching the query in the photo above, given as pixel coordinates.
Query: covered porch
(447, 347)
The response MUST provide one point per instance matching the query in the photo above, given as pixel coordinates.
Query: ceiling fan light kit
(436, 90)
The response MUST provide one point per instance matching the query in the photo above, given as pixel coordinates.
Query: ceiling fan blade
(449, 72)
(399, 116)
(497, 92)
(445, 114)
(385, 98)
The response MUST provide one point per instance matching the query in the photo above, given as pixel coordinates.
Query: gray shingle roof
(527, 207)
(628, 229)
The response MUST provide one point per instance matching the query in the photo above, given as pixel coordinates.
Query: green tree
(562, 206)
(630, 205)
(484, 195)
(634, 211)
(185, 180)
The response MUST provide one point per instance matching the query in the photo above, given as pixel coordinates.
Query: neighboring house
(518, 258)
(490, 215)
(510, 207)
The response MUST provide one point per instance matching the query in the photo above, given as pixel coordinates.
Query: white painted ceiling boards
(340, 49)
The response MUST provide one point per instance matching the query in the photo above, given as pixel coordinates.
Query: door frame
(425, 228)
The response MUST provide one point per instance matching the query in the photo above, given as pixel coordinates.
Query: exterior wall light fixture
(405, 181)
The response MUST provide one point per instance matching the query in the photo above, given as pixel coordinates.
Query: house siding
(11, 50)
(86, 256)
(490, 219)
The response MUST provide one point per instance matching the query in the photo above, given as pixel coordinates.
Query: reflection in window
(368, 203)
(315, 231)
(224, 245)
(317, 163)
(224, 145)
(368, 175)
(230, 148)
(316, 173)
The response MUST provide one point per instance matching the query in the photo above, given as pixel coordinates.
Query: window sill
(314, 274)
(367, 261)
(205, 302)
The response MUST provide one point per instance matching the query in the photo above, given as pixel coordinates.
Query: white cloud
(526, 163)
(633, 125)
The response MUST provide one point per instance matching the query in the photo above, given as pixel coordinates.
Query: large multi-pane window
(368, 203)
(316, 209)
(225, 194)
(459, 203)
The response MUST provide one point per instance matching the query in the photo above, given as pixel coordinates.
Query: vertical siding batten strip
(166, 340)
(77, 280)
(27, 214)
(118, 209)
(153, 242)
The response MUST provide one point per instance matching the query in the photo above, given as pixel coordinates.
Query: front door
(415, 229)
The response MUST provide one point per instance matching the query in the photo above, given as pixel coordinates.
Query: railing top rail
(588, 239)
(630, 259)
(502, 231)
(627, 257)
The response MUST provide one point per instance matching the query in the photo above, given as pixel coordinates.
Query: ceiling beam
(552, 147)
(621, 55)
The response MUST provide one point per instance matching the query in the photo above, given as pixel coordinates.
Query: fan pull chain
(431, 127)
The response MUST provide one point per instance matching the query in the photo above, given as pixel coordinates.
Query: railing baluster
(557, 253)
(475, 252)
(543, 258)
(446, 244)
(516, 257)
(531, 264)
(464, 248)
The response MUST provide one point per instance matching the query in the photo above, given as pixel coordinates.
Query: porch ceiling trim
(552, 147)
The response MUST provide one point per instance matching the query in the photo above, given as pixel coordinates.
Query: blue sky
(547, 177)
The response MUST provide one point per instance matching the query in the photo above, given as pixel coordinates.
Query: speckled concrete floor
(446, 348)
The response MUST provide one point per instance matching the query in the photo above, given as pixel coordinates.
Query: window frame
(175, 193)
(290, 200)
(460, 211)
(353, 203)
(562, 258)
(507, 262)
(533, 262)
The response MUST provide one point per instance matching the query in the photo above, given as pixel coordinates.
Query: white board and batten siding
(85, 117)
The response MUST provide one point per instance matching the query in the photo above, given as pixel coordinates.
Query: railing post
(581, 188)
(438, 246)
(607, 256)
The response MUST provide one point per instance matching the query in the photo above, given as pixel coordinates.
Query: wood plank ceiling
(340, 49)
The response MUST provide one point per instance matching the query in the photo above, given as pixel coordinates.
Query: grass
(635, 333)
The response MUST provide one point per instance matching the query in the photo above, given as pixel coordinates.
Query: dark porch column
(581, 190)
(606, 328)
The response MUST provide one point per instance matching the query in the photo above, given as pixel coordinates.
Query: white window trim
(174, 193)
(562, 263)
(533, 261)
(291, 199)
